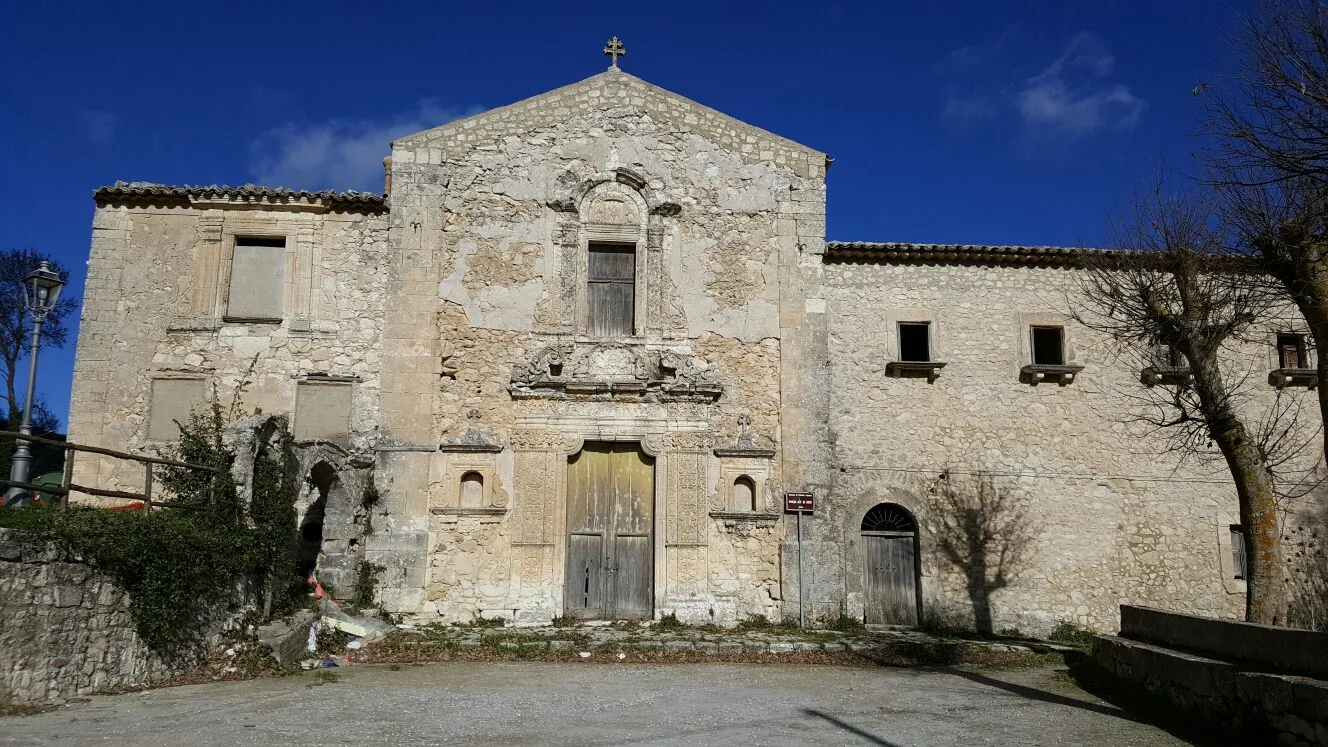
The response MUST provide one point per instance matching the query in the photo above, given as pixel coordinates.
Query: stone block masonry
(1244, 677)
(66, 628)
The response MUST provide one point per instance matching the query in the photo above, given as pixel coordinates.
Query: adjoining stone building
(585, 343)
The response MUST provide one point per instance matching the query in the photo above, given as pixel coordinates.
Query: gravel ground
(529, 703)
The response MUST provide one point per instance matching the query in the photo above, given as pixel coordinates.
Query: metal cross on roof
(615, 49)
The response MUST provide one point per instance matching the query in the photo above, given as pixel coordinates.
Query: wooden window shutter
(1291, 351)
(612, 290)
(1238, 551)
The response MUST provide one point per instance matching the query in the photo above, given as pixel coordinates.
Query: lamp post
(41, 289)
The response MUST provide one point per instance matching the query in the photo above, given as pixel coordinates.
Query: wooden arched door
(890, 575)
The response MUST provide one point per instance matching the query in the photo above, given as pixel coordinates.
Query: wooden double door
(890, 577)
(610, 532)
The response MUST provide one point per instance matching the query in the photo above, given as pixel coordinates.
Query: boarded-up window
(915, 342)
(256, 278)
(322, 411)
(1291, 351)
(1048, 346)
(173, 400)
(612, 290)
(472, 490)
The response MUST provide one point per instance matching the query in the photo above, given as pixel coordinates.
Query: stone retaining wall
(1205, 686)
(1284, 649)
(66, 627)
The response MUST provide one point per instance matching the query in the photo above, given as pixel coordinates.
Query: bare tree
(982, 531)
(16, 320)
(1269, 156)
(1171, 290)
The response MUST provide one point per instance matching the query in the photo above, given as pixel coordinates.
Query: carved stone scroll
(612, 370)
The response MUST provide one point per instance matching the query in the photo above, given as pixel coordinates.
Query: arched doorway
(310, 543)
(890, 567)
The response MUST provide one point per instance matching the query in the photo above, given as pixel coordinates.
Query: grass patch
(846, 624)
(1068, 632)
(324, 677)
(755, 622)
(669, 622)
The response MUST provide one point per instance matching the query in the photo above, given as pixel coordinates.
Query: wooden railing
(67, 485)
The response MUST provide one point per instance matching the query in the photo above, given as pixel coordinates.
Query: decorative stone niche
(467, 479)
(741, 498)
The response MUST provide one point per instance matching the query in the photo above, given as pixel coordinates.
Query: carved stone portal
(613, 371)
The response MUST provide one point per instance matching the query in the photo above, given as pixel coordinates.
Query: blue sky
(966, 122)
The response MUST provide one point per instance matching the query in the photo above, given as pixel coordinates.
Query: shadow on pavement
(1118, 702)
(846, 726)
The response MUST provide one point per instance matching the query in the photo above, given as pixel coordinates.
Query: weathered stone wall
(1112, 515)
(155, 307)
(459, 317)
(67, 629)
(498, 210)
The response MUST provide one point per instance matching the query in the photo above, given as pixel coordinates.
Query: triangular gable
(606, 90)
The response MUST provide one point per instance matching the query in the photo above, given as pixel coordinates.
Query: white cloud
(339, 154)
(98, 126)
(1073, 97)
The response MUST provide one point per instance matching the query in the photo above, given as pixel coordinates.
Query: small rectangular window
(915, 342)
(1237, 551)
(611, 291)
(257, 282)
(1048, 346)
(1167, 356)
(1291, 351)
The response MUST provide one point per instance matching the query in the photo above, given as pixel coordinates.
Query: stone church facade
(584, 345)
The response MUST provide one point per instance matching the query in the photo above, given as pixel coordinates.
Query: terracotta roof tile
(151, 193)
(960, 253)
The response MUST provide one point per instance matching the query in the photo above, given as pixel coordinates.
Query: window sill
(1285, 377)
(741, 518)
(1037, 373)
(251, 320)
(485, 514)
(915, 369)
(1178, 375)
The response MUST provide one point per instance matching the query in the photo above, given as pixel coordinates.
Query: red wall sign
(799, 502)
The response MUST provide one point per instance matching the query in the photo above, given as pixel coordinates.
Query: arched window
(744, 494)
(472, 490)
(887, 517)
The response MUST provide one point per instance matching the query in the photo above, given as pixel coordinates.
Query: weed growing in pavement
(324, 677)
(669, 622)
(846, 624)
(1068, 632)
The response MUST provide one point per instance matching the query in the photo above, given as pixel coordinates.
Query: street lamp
(41, 289)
